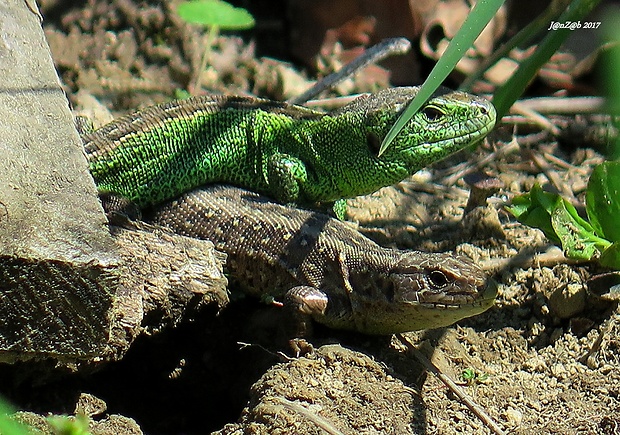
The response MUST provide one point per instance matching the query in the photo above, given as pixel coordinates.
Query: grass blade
(476, 21)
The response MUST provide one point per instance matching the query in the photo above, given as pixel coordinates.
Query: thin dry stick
(318, 420)
(604, 330)
(559, 162)
(468, 401)
(564, 105)
(552, 176)
(452, 179)
(526, 258)
(535, 117)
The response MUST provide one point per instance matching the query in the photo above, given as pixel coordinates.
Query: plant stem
(208, 40)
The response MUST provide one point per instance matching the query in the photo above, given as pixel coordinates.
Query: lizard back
(273, 248)
(162, 151)
(291, 153)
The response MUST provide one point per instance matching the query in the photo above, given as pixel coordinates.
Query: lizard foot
(285, 174)
(304, 303)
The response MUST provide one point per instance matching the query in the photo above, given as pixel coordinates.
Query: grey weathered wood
(57, 258)
(68, 289)
(162, 274)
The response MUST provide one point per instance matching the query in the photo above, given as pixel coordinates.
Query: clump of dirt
(333, 389)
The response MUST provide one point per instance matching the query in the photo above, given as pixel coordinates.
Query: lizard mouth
(447, 300)
(472, 131)
(427, 310)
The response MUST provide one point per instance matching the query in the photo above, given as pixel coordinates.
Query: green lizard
(291, 153)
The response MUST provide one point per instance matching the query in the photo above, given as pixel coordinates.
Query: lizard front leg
(303, 303)
(285, 175)
(339, 208)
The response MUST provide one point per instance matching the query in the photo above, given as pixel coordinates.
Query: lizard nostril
(374, 143)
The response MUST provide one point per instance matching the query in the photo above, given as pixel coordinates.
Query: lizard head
(426, 290)
(448, 122)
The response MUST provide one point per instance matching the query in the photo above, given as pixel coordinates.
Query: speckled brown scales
(277, 250)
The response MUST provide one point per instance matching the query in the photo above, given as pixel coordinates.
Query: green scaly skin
(291, 153)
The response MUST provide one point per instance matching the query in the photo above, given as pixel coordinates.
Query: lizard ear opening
(374, 143)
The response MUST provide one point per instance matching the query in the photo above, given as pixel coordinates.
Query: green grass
(476, 21)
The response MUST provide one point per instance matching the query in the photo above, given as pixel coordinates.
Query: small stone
(514, 417)
(536, 364)
(90, 405)
(568, 301)
(559, 371)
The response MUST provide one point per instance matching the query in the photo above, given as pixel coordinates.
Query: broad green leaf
(611, 256)
(65, 425)
(575, 234)
(215, 13)
(8, 426)
(560, 222)
(534, 210)
(603, 200)
(547, 200)
(533, 215)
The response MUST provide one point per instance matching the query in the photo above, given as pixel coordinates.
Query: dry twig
(468, 401)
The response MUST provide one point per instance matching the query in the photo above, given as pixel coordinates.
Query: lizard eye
(432, 113)
(374, 143)
(438, 278)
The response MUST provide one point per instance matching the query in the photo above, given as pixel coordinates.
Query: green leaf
(610, 68)
(507, 94)
(181, 94)
(523, 38)
(575, 234)
(603, 200)
(480, 15)
(65, 425)
(8, 426)
(610, 60)
(547, 200)
(611, 256)
(560, 222)
(215, 13)
(534, 210)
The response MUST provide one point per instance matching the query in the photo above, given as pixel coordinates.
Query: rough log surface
(70, 293)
